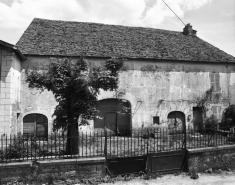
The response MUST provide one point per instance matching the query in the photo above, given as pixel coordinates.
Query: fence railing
(100, 143)
(31, 147)
(209, 137)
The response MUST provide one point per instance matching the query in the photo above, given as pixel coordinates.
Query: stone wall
(211, 158)
(9, 92)
(153, 88)
(15, 169)
(81, 168)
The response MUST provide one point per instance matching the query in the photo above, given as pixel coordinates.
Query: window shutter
(212, 76)
(214, 109)
(216, 112)
(219, 112)
(217, 86)
(215, 81)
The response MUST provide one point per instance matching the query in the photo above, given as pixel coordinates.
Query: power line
(173, 12)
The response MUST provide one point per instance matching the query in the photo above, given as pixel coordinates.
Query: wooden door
(35, 124)
(111, 121)
(115, 115)
(197, 118)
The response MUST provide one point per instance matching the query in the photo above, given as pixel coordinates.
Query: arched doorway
(176, 120)
(35, 124)
(115, 115)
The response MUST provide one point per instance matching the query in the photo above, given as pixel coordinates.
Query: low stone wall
(84, 168)
(211, 158)
(20, 169)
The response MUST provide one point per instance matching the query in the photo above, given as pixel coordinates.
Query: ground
(225, 178)
(221, 178)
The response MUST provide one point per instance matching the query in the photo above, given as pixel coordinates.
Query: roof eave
(14, 49)
(138, 58)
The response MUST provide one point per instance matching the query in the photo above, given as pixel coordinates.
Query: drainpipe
(228, 83)
(0, 71)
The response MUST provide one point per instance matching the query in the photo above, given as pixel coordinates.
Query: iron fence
(31, 147)
(99, 143)
(209, 137)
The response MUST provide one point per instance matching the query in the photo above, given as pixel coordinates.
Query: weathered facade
(166, 80)
(154, 89)
(10, 80)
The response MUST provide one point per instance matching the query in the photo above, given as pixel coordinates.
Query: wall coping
(18, 164)
(75, 161)
(211, 149)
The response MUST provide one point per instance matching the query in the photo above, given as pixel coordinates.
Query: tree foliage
(229, 116)
(75, 86)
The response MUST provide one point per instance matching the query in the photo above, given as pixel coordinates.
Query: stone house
(10, 80)
(163, 83)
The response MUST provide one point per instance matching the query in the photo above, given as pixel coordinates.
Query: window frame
(156, 120)
(215, 81)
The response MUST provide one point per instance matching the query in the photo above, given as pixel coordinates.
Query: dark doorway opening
(198, 118)
(35, 124)
(176, 120)
(115, 115)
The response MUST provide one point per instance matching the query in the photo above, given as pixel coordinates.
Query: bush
(229, 117)
(16, 149)
(211, 124)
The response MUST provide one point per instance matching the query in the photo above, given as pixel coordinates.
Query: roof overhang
(13, 48)
(137, 59)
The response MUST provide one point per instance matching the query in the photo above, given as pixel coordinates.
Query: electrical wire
(173, 12)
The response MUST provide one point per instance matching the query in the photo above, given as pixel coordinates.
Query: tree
(75, 87)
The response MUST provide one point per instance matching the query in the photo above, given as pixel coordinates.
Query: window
(156, 120)
(215, 81)
(216, 112)
(35, 124)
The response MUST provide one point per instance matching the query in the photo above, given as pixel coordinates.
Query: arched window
(35, 124)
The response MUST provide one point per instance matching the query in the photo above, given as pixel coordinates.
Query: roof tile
(48, 37)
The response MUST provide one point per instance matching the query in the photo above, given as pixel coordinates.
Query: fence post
(105, 142)
(185, 138)
(35, 147)
(148, 136)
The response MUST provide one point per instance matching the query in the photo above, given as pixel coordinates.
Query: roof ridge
(103, 24)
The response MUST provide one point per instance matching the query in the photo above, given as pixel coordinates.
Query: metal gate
(128, 165)
(159, 151)
(167, 162)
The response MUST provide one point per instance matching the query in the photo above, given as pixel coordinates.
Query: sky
(214, 20)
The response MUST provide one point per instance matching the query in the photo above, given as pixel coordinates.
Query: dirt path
(225, 178)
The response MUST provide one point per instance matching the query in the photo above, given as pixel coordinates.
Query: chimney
(188, 30)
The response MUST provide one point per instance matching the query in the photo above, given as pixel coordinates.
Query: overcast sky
(214, 20)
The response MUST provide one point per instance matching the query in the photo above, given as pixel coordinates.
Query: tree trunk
(72, 139)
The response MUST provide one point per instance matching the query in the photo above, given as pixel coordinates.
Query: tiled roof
(48, 37)
(6, 45)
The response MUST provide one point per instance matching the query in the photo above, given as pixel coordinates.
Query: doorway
(176, 120)
(197, 118)
(115, 115)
